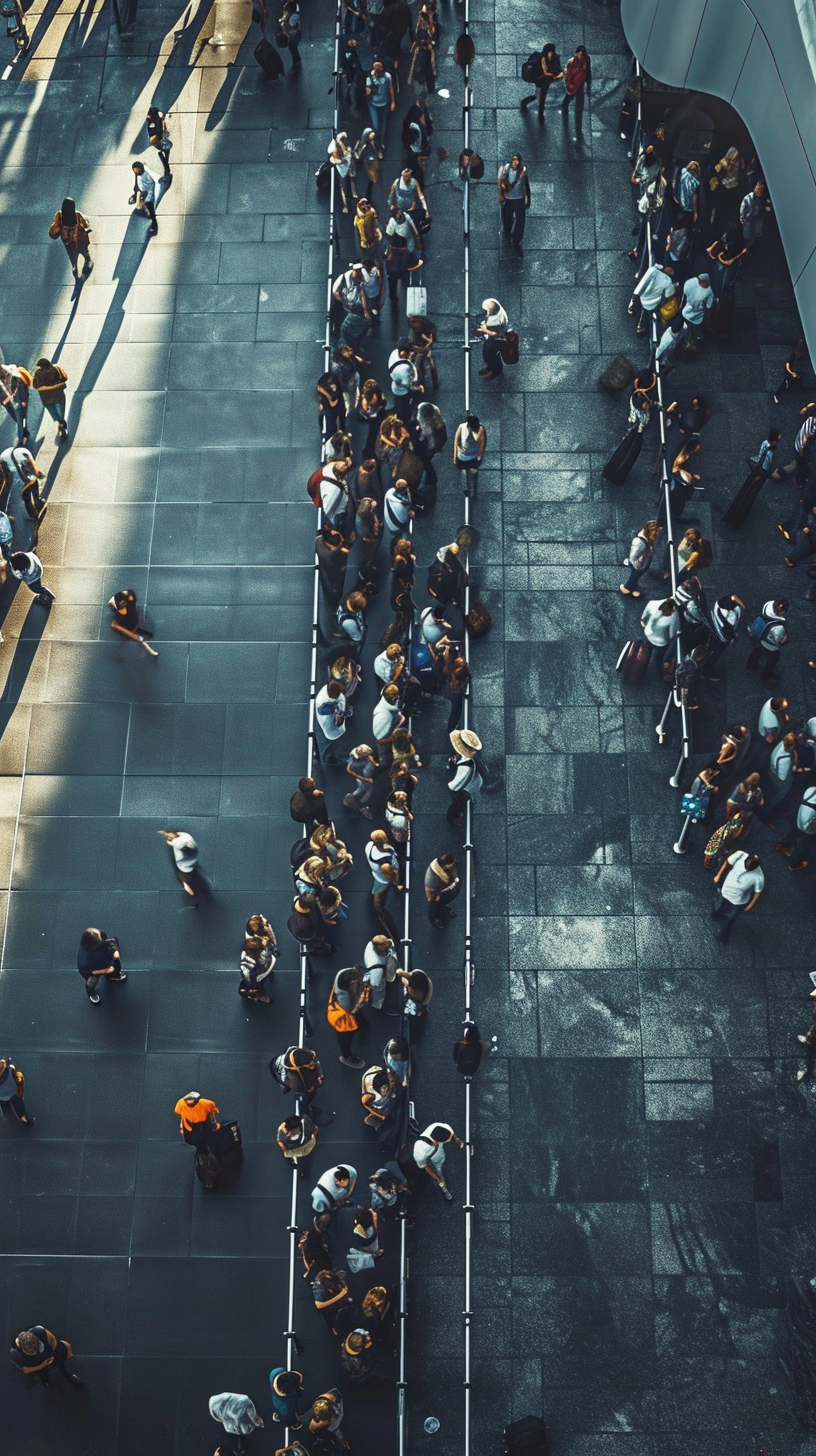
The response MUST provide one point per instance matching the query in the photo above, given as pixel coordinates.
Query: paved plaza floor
(643, 1170)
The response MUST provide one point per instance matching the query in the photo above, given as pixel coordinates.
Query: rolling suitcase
(225, 1143)
(268, 59)
(417, 301)
(527, 1437)
(634, 660)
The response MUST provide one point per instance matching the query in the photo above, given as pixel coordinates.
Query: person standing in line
(12, 1090)
(654, 289)
(386, 873)
(798, 842)
(429, 1154)
(15, 383)
(308, 804)
(74, 231)
(808, 1040)
(307, 927)
(327, 1417)
(348, 993)
(577, 85)
(442, 885)
(698, 298)
(289, 24)
(285, 1388)
(740, 890)
(362, 766)
(514, 199)
(196, 1115)
(145, 188)
(238, 1416)
(641, 553)
(753, 209)
(18, 463)
(380, 97)
(550, 69)
(98, 955)
(49, 381)
(774, 719)
(127, 619)
(386, 718)
(661, 623)
(334, 1189)
(34, 1352)
(381, 964)
(330, 721)
(332, 554)
(494, 327)
(185, 859)
(297, 1139)
(159, 137)
(27, 567)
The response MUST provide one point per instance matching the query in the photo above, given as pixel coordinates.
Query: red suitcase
(634, 660)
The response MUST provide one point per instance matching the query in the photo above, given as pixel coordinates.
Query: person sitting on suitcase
(197, 1115)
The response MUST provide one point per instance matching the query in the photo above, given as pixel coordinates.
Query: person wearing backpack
(514, 200)
(74, 231)
(15, 387)
(768, 633)
(494, 327)
(542, 71)
(18, 463)
(159, 137)
(577, 83)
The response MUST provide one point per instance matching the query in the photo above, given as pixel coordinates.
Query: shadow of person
(25, 651)
(130, 257)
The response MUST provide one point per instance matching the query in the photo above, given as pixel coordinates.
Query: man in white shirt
(494, 327)
(145, 191)
(385, 718)
(655, 287)
(330, 720)
(740, 890)
(774, 717)
(429, 1153)
(381, 966)
(698, 298)
(661, 623)
(185, 859)
(18, 463)
(333, 1190)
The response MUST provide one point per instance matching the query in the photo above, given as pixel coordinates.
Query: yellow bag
(669, 309)
(340, 1019)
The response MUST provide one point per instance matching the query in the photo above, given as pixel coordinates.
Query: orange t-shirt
(199, 1113)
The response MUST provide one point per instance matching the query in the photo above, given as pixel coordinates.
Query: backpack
(575, 76)
(323, 175)
(464, 52)
(704, 552)
(313, 485)
(509, 347)
(531, 68)
(479, 620)
(759, 626)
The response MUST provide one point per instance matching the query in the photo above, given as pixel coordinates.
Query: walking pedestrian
(754, 207)
(741, 888)
(768, 633)
(144, 194)
(380, 97)
(12, 1092)
(808, 1040)
(297, 1140)
(577, 85)
(774, 719)
(386, 873)
(34, 1352)
(289, 26)
(468, 773)
(15, 384)
(18, 464)
(185, 861)
(238, 1416)
(258, 957)
(442, 885)
(27, 567)
(159, 137)
(308, 804)
(286, 1387)
(698, 298)
(429, 1153)
(796, 366)
(653, 290)
(197, 1115)
(549, 70)
(494, 327)
(362, 766)
(469, 445)
(403, 255)
(760, 469)
(341, 157)
(514, 200)
(74, 231)
(641, 553)
(348, 994)
(98, 955)
(798, 842)
(49, 381)
(127, 619)
(723, 622)
(661, 624)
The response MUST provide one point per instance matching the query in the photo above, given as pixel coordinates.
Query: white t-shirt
(328, 721)
(385, 667)
(740, 885)
(327, 1193)
(768, 721)
(425, 1151)
(781, 763)
(383, 718)
(185, 852)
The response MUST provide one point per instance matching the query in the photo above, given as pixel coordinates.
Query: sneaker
(356, 1063)
(446, 1193)
(800, 1076)
(94, 998)
(802, 1039)
(121, 977)
(349, 802)
(73, 1379)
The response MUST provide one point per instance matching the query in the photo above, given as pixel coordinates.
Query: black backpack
(531, 68)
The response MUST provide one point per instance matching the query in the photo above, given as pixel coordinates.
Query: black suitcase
(268, 59)
(527, 1437)
(225, 1143)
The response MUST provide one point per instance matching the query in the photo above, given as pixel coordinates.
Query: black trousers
(513, 219)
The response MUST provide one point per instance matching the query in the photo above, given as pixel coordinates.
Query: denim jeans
(379, 121)
(328, 750)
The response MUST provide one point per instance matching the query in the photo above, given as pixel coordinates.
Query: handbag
(669, 309)
(337, 1017)
(281, 39)
(696, 807)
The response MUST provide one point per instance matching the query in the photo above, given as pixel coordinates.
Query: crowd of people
(705, 216)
